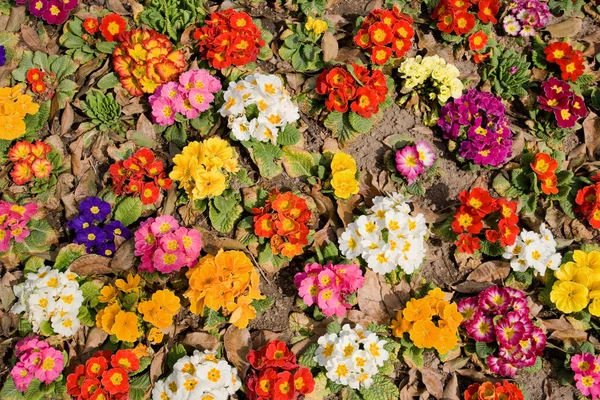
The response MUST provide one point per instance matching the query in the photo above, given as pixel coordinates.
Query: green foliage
(266, 156)
(484, 349)
(302, 49)
(139, 386)
(312, 7)
(262, 305)
(79, 44)
(176, 352)
(212, 318)
(307, 358)
(225, 210)
(566, 7)
(508, 72)
(41, 237)
(382, 388)
(171, 17)
(103, 110)
(10, 392)
(128, 210)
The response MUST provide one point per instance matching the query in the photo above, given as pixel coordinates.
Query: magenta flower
(588, 385)
(350, 275)
(36, 359)
(565, 118)
(163, 111)
(426, 154)
(494, 299)
(55, 12)
(468, 308)
(584, 364)
(501, 367)
(200, 79)
(409, 164)
(69, 5)
(509, 332)
(481, 328)
(170, 90)
(38, 7)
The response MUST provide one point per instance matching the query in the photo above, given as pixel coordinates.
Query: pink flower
(19, 231)
(409, 164)
(482, 328)
(351, 276)
(185, 107)
(144, 238)
(192, 241)
(468, 309)
(163, 111)
(327, 278)
(328, 300)
(584, 363)
(51, 365)
(426, 154)
(170, 90)
(494, 299)
(509, 332)
(588, 385)
(335, 307)
(166, 262)
(309, 290)
(21, 376)
(55, 12)
(170, 242)
(200, 79)
(501, 367)
(200, 99)
(163, 224)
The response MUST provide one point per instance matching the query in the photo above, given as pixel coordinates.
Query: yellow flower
(215, 152)
(10, 93)
(25, 105)
(343, 162)
(159, 311)
(155, 335)
(231, 166)
(208, 184)
(141, 351)
(184, 168)
(344, 184)
(317, 26)
(570, 272)
(126, 326)
(12, 127)
(241, 312)
(132, 284)
(108, 294)
(569, 296)
(400, 325)
(105, 318)
(594, 307)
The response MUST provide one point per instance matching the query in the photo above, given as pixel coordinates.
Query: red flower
(264, 226)
(362, 39)
(366, 103)
(467, 220)
(403, 30)
(381, 34)
(38, 87)
(75, 380)
(572, 67)
(125, 359)
(508, 233)
(21, 173)
(479, 58)
(116, 380)
(594, 218)
(445, 22)
(303, 381)
(41, 168)
(586, 200)
(284, 386)
(90, 25)
(488, 9)
(40, 149)
(544, 165)
(95, 367)
(337, 102)
(508, 210)
(401, 47)
(467, 244)
(565, 118)
(20, 151)
(492, 235)
(89, 387)
(458, 5)
(34, 75)
(463, 23)
(578, 106)
(278, 355)
(549, 184)
(155, 168)
(478, 41)
(479, 199)
(112, 26)
(266, 382)
(100, 395)
(380, 55)
(149, 193)
(557, 51)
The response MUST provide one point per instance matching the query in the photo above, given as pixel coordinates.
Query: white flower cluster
(200, 376)
(50, 295)
(534, 250)
(351, 357)
(443, 77)
(387, 237)
(275, 108)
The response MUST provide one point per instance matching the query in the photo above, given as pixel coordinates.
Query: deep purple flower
(90, 237)
(38, 7)
(2, 56)
(94, 208)
(116, 228)
(69, 5)
(79, 223)
(106, 249)
(55, 12)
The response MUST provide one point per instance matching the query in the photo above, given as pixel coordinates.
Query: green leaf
(262, 305)
(90, 293)
(67, 255)
(491, 249)
(41, 237)
(484, 349)
(46, 329)
(297, 162)
(176, 134)
(360, 124)
(106, 47)
(36, 122)
(139, 386)
(537, 367)
(224, 211)
(334, 327)
(307, 358)
(129, 210)
(10, 392)
(289, 137)
(265, 155)
(501, 185)
(212, 318)
(382, 388)
(339, 125)
(176, 352)
(108, 81)
(86, 317)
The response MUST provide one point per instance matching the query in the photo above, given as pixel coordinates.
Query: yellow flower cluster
(226, 282)
(204, 168)
(343, 176)
(13, 107)
(431, 322)
(317, 26)
(578, 284)
(116, 318)
(434, 74)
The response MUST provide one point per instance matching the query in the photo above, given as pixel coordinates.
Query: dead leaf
(7, 295)
(577, 156)
(124, 257)
(201, 340)
(345, 209)
(567, 28)
(91, 264)
(591, 133)
(66, 119)
(347, 54)
(158, 362)
(490, 271)
(145, 127)
(137, 9)
(455, 364)
(31, 37)
(377, 299)
(469, 287)
(451, 391)
(329, 45)
(117, 6)
(17, 17)
(95, 338)
(477, 376)
(433, 382)
(238, 343)
(212, 243)
(428, 42)
(518, 144)
(324, 204)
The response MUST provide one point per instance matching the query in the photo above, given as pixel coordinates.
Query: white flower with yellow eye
(339, 371)
(241, 128)
(65, 324)
(350, 244)
(533, 250)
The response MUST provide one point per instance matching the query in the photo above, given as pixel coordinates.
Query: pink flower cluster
(587, 374)
(165, 246)
(411, 161)
(36, 359)
(329, 286)
(519, 341)
(13, 222)
(190, 96)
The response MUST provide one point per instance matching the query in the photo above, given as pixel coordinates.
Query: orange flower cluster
(431, 322)
(283, 220)
(145, 60)
(488, 391)
(545, 167)
(31, 161)
(226, 282)
(13, 107)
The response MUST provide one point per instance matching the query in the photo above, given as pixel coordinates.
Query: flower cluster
(587, 374)
(35, 80)
(50, 295)
(145, 59)
(226, 282)
(329, 286)
(525, 16)
(343, 176)
(501, 315)
(500, 217)
(54, 12)
(588, 202)
(544, 167)
(92, 229)
(200, 376)
(352, 87)
(534, 250)
(577, 285)
(501, 390)
(569, 60)
(318, 26)
(36, 359)
(229, 38)
(204, 168)
(14, 106)
(140, 175)
(477, 120)
(412, 160)
(275, 374)
(13, 222)
(272, 106)
(30, 161)
(283, 220)
(351, 357)
(433, 76)
(191, 95)
(104, 376)
(384, 32)
(431, 322)
(165, 246)
(387, 237)
(559, 99)
(454, 16)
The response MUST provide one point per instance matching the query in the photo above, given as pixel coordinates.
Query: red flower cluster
(588, 202)
(345, 92)
(454, 15)
(141, 174)
(545, 167)
(275, 375)
(478, 205)
(569, 60)
(104, 376)
(229, 38)
(35, 80)
(283, 221)
(30, 161)
(384, 31)
(489, 391)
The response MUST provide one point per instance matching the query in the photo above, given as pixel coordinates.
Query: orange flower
(544, 165)
(105, 318)
(417, 310)
(478, 41)
(549, 184)
(241, 311)
(424, 334)
(125, 327)
(400, 325)
(159, 311)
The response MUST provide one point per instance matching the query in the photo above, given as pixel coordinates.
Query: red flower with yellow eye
(488, 9)
(465, 220)
(34, 75)
(30, 161)
(463, 23)
(366, 103)
(115, 381)
(20, 151)
(380, 55)
(21, 173)
(264, 226)
(468, 244)
(112, 26)
(508, 233)
(41, 168)
(557, 51)
(479, 199)
(90, 25)
(38, 87)
(149, 193)
(544, 165)
(549, 184)
(478, 41)
(572, 67)
(125, 359)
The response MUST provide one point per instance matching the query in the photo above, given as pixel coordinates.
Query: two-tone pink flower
(411, 161)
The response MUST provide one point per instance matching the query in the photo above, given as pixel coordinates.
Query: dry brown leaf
(212, 243)
(7, 295)
(16, 18)
(145, 127)
(137, 9)
(490, 271)
(95, 338)
(455, 364)
(66, 119)
(91, 264)
(238, 343)
(428, 42)
(591, 133)
(469, 287)
(124, 257)
(31, 37)
(477, 376)
(560, 324)
(451, 391)
(345, 209)
(158, 362)
(329, 45)
(433, 382)
(117, 6)
(568, 28)
(347, 54)
(201, 340)
(377, 299)
(324, 204)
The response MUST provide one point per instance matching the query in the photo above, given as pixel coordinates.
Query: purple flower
(116, 228)
(525, 16)
(38, 7)
(91, 237)
(55, 13)
(69, 5)
(79, 223)
(94, 208)
(106, 249)
(2, 56)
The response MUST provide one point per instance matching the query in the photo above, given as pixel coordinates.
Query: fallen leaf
(145, 127)
(455, 364)
(66, 119)
(158, 362)
(238, 343)
(329, 45)
(324, 204)
(95, 338)
(16, 18)
(433, 382)
(91, 264)
(477, 376)
(451, 391)
(469, 287)
(377, 299)
(124, 257)
(201, 340)
(7, 295)
(31, 37)
(490, 271)
(428, 42)
(345, 209)
(567, 28)
(117, 6)
(591, 133)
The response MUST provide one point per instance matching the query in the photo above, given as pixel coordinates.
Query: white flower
(533, 250)
(339, 370)
(350, 243)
